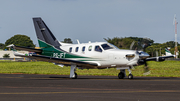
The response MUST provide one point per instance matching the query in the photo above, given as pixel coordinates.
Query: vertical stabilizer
(44, 35)
(167, 50)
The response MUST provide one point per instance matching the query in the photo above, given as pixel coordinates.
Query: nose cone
(143, 55)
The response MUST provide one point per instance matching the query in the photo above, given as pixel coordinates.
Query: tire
(121, 75)
(75, 76)
(130, 76)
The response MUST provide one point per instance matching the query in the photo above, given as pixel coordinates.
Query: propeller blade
(132, 44)
(146, 68)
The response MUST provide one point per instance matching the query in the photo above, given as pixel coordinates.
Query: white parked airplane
(98, 55)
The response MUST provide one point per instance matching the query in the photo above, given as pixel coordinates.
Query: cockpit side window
(98, 48)
(106, 46)
(90, 48)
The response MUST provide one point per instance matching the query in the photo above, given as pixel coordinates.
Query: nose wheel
(130, 76)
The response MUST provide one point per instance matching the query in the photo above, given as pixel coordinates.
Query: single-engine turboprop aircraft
(97, 55)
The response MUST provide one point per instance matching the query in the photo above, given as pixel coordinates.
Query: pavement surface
(23, 87)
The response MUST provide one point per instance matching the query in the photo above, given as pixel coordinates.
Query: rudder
(44, 35)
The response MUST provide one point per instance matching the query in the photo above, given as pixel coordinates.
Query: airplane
(167, 50)
(92, 55)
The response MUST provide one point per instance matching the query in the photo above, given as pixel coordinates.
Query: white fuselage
(104, 57)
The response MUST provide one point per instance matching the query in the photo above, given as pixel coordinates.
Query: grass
(158, 69)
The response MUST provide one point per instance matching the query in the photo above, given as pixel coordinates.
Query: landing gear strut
(130, 76)
(73, 74)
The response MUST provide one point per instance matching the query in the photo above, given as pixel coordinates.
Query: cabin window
(77, 49)
(90, 48)
(98, 49)
(83, 49)
(70, 49)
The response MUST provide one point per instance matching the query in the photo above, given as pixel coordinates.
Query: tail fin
(168, 53)
(44, 35)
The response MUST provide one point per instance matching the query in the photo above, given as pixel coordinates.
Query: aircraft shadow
(114, 78)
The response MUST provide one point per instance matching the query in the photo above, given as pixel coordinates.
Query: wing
(63, 61)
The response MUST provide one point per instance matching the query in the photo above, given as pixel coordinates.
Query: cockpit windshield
(107, 46)
(114, 46)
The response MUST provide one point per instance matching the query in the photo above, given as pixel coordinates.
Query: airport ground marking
(89, 92)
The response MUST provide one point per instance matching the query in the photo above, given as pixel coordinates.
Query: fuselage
(102, 53)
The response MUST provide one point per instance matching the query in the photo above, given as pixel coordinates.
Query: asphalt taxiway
(23, 87)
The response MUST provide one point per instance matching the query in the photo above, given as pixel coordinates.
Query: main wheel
(130, 76)
(75, 76)
(121, 75)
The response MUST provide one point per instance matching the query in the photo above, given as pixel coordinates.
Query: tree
(67, 40)
(161, 48)
(6, 56)
(1, 45)
(20, 40)
(171, 44)
(140, 43)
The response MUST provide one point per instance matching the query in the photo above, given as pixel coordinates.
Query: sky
(91, 20)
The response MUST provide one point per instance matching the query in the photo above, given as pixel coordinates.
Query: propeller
(142, 57)
(146, 67)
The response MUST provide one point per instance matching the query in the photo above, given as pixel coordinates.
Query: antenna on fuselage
(78, 41)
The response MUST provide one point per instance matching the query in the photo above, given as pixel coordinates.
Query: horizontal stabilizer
(38, 51)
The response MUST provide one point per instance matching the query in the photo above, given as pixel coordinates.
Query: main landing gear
(73, 74)
(122, 73)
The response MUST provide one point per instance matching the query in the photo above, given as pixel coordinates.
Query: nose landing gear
(122, 73)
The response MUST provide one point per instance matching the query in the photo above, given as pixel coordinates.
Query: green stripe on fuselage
(49, 50)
